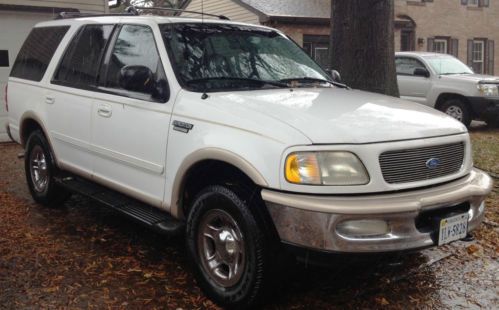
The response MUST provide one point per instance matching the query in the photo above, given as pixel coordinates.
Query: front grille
(403, 166)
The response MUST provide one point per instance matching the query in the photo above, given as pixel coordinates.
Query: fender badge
(182, 127)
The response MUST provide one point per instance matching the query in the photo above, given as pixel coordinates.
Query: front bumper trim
(311, 221)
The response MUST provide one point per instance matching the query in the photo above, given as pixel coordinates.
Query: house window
(444, 45)
(476, 3)
(440, 46)
(481, 55)
(317, 46)
(478, 53)
(4, 58)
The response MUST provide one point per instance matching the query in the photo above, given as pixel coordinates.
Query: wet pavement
(84, 256)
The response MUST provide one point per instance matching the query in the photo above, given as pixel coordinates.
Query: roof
(315, 9)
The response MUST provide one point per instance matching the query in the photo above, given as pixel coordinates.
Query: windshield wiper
(311, 79)
(225, 78)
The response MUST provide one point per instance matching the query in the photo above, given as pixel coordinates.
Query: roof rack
(134, 10)
(68, 15)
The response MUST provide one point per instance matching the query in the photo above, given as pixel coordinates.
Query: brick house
(465, 28)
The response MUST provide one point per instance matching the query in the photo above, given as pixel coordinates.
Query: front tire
(458, 110)
(40, 171)
(228, 248)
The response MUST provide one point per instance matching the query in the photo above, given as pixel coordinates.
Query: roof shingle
(292, 8)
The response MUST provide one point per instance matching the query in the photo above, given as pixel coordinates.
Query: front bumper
(313, 221)
(485, 108)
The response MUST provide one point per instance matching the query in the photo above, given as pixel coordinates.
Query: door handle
(49, 100)
(105, 111)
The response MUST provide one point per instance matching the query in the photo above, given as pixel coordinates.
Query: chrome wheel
(221, 247)
(38, 169)
(455, 112)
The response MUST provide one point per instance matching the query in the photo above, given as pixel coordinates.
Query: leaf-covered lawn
(82, 256)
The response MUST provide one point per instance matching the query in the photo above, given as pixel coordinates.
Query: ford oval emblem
(432, 163)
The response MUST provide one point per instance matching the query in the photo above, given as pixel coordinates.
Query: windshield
(214, 57)
(445, 65)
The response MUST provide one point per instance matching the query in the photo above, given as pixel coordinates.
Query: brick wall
(296, 31)
(450, 18)
(437, 18)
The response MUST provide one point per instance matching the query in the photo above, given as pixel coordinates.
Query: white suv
(232, 130)
(445, 83)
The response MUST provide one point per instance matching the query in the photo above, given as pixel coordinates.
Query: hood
(342, 116)
(473, 78)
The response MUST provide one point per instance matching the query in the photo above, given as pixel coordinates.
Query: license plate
(453, 228)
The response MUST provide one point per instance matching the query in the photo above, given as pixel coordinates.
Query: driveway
(84, 256)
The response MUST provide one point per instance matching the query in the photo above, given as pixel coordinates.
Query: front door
(412, 87)
(131, 116)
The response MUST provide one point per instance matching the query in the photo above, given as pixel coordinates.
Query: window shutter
(454, 47)
(470, 53)
(490, 57)
(484, 3)
(464, 2)
(429, 44)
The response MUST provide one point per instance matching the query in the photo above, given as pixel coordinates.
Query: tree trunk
(362, 44)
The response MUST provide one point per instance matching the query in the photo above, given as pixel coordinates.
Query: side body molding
(209, 154)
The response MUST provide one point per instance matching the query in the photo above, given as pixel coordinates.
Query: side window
(80, 65)
(406, 66)
(134, 68)
(37, 51)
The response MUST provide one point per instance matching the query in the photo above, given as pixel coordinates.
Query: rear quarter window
(37, 51)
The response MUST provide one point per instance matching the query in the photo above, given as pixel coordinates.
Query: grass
(486, 150)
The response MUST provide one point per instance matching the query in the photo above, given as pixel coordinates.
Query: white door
(412, 87)
(70, 102)
(131, 117)
(15, 27)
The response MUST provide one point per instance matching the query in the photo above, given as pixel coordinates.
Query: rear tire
(458, 110)
(229, 249)
(40, 171)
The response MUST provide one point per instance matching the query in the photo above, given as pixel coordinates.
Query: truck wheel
(40, 171)
(457, 109)
(228, 248)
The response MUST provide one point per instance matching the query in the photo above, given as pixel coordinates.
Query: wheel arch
(210, 160)
(444, 97)
(30, 122)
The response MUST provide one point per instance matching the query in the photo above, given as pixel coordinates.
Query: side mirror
(335, 75)
(421, 72)
(137, 79)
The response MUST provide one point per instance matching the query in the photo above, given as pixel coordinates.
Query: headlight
(325, 168)
(488, 89)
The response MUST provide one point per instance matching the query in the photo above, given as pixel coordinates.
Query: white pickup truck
(231, 134)
(445, 83)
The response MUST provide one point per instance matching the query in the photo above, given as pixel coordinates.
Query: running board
(150, 216)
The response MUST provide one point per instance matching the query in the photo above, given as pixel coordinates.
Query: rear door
(131, 116)
(411, 87)
(70, 100)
